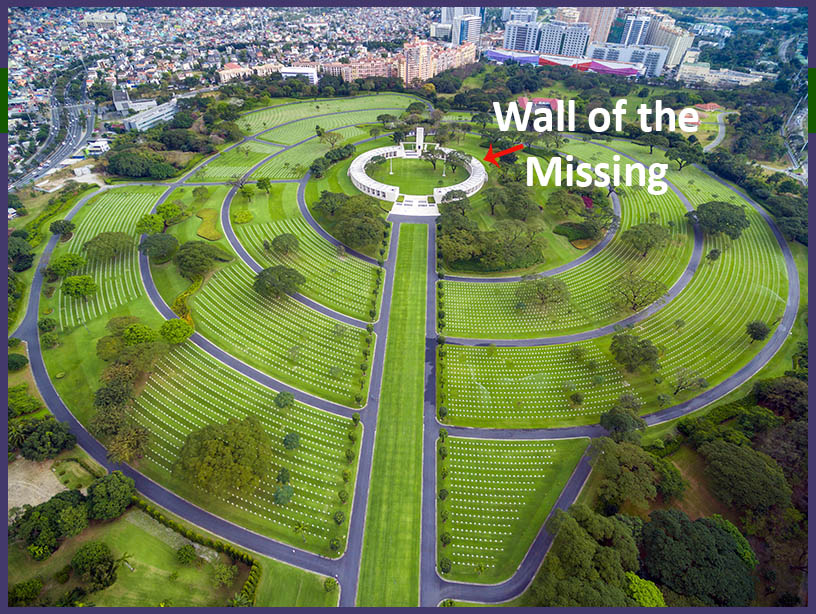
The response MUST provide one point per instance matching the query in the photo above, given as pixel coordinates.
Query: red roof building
(551, 103)
(708, 107)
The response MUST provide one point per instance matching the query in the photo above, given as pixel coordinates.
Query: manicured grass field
(417, 177)
(493, 311)
(301, 129)
(500, 493)
(282, 337)
(117, 280)
(389, 571)
(235, 163)
(341, 282)
(189, 389)
(747, 283)
(252, 123)
(292, 163)
(152, 549)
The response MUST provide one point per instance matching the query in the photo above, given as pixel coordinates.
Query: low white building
(147, 119)
(310, 72)
(96, 148)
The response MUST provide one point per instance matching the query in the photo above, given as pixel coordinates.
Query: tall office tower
(561, 38)
(506, 13)
(449, 13)
(524, 13)
(522, 36)
(466, 29)
(568, 14)
(635, 28)
(676, 39)
(599, 19)
(419, 61)
(656, 19)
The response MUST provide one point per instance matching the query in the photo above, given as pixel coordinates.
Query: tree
(67, 263)
(95, 564)
(587, 562)
(197, 258)
(247, 191)
(562, 202)
(785, 396)
(186, 554)
(283, 494)
(386, 118)
(715, 217)
(688, 379)
(110, 495)
(633, 352)
(495, 195)
(713, 255)
(46, 325)
(175, 331)
(695, 558)
(231, 457)
(330, 585)
(72, 520)
(284, 400)
(644, 592)
(16, 362)
(519, 202)
(685, 153)
(631, 291)
(627, 473)
(743, 478)
(330, 202)
(644, 237)
(108, 245)
(150, 224)
(276, 281)
(20, 254)
(63, 228)
(455, 200)
(546, 293)
(482, 118)
(160, 247)
(200, 193)
(24, 593)
(168, 212)
(128, 443)
(286, 243)
(652, 140)
(139, 333)
(283, 476)
(79, 286)
(623, 422)
(291, 441)
(224, 574)
(757, 330)
(46, 439)
(265, 184)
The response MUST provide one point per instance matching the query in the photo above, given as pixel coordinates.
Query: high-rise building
(561, 38)
(420, 59)
(635, 27)
(676, 39)
(651, 56)
(522, 36)
(568, 14)
(523, 13)
(449, 13)
(466, 29)
(599, 19)
(656, 19)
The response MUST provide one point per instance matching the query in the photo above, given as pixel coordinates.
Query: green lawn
(389, 571)
(500, 494)
(153, 556)
(413, 176)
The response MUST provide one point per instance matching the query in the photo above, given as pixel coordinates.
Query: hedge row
(251, 584)
(179, 305)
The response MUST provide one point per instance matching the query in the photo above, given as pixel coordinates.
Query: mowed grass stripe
(389, 572)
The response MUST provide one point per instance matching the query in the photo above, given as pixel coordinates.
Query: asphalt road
(433, 588)
(720, 131)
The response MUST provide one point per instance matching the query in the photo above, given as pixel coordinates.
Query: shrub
(574, 231)
(186, 555)
(16, 362)
(49, 340)
(208, 229)
(243, 216)
(445, 565)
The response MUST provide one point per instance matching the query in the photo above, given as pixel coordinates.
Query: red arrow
(492, 157)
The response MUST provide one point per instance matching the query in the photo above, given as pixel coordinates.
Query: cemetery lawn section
(389, 572)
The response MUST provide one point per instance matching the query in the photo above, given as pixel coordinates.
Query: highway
(77, 135)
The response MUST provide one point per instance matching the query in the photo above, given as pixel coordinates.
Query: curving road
(433, 588)
(720, 131)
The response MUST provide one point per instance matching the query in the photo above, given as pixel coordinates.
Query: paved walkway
(720, 131)
(433, 588)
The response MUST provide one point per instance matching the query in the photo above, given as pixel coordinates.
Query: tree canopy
(231, 457)
(277, 281)
(715, 217)
(633, 352)
(108, 245)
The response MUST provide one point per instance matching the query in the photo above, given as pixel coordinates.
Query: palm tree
(480, 569)
(124, 560)
(16, 436)
(299, 529)
(239, 600)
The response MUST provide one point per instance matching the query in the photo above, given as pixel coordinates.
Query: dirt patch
(31, 482)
